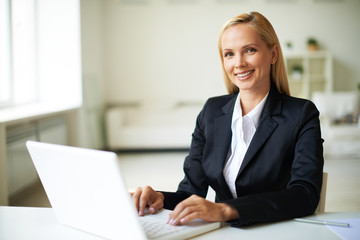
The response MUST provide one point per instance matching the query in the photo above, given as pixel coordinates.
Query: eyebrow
(246, 46)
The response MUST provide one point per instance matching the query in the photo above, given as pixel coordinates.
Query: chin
(245, 86)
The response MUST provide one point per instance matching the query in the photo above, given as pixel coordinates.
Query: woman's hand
(146, 196)
(196, 207)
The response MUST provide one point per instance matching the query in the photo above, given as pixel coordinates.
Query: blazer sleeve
(302, 193)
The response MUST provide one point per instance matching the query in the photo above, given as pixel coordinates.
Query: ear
(275, 53)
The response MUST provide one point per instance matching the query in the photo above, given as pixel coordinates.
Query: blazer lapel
(222, 140)
(266, 126)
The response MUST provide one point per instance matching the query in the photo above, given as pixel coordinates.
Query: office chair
(321, 206)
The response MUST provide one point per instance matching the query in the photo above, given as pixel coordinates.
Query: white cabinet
(309, 72)
(20, 169)
(42, 122)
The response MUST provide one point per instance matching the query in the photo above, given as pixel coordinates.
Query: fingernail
(140, 213)
(182, 220)
(152, 210)
(173, 222)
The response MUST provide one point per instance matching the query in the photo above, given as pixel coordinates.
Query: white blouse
(243, 129)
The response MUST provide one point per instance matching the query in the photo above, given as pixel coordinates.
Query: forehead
(239, 35)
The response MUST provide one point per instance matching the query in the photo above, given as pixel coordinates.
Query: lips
(244, 74)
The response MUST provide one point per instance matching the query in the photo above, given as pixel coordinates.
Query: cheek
(228, 66)
(263, 65)
(266, 66)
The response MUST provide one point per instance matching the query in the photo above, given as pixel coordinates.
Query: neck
(250, 99)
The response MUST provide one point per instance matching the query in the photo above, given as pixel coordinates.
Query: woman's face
(247, 59)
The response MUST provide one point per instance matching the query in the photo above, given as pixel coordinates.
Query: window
(40, 52)
(5, 85)
(23, 51)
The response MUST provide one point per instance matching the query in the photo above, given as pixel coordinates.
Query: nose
(240, 61)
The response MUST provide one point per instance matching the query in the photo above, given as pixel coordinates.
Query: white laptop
(86, 191)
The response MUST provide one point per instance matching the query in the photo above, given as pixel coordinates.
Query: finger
(190, 201)
(157, 202)
(207, 211)
(135, 197)
(188, 214)
(144, 199)
(187, 218)
(175, 213)
(182, 209)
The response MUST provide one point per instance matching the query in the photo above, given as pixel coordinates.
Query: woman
(258, 148)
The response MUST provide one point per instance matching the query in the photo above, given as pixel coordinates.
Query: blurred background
(131, 76)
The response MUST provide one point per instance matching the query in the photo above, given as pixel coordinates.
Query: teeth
(243, 74)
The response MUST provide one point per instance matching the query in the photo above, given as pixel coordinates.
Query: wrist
(161, 195)
(229, 213)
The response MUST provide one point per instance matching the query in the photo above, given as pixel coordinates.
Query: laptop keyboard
(155, 228)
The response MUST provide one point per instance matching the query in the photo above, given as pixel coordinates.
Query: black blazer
(281, 174)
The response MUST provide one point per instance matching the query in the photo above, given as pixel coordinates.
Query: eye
(228, 54)
(250, 50)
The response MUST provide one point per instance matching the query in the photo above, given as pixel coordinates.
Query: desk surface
(41, 223)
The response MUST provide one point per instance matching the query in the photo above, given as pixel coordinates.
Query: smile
(244, 74)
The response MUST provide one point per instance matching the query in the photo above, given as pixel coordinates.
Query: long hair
(267, 33)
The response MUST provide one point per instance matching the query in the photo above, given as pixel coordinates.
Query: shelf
(317, 72)
(295, 81)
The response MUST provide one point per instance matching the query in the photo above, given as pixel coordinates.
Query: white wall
(91, 121)
(167, 49)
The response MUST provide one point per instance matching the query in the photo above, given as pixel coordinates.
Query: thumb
(157, 203)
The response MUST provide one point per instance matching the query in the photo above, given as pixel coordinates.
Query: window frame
(6, 84)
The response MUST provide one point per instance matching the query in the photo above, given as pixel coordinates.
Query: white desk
(41, 224)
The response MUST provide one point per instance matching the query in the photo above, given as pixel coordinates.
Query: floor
(140, 169)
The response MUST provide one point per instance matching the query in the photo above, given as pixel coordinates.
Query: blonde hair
(267, 34)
